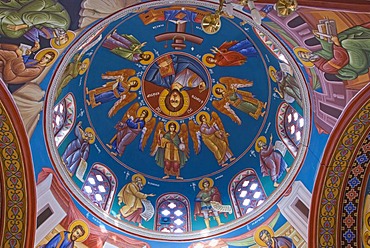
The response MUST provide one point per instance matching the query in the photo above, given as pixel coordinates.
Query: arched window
(173, 213)
(246, 192)
(290, 126)
(100, 186)
(64, 117)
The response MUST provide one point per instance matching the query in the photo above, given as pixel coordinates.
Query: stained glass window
(100, 186)
(64, 116)
(173, 213)
(290, 127)
(246, 192)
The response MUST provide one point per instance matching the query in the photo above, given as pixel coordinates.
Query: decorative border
(139, 232)
(18, 207)
(336, 209)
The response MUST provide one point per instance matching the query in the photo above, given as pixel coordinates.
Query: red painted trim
(22, 138)
(343, 122)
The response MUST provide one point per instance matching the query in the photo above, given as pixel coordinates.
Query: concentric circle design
(173, 105)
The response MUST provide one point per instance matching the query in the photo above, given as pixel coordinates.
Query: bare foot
(166, 176)
(109, 146)
(140, 225)
(263, 113)
(179, 178)
(88, 102)
(232, 159)
(114, 153)
(224, 164)
(276, 184)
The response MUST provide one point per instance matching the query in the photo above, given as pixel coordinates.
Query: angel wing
(234, 83)
(126, 73)
(121, 102)
(146, 132)
(217, 120)
(194, 131)
(184, 136)
(158, 131)
(131, 111)
(224, 107)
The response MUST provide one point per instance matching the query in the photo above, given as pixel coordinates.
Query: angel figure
(170, 148)
(214, 136)
(120, 90)
(129, 127)
(229, 94)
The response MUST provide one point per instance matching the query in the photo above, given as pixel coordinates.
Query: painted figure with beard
(79, 149)
(15, 69)
(170, 148)
(272, 162)
(67, 239)
(264, 237)
(345, 55)
(132, 197)
(127, 47)
(213, 135)
(129, 128)
(33, 19)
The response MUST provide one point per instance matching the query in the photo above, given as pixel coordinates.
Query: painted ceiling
(148, 129)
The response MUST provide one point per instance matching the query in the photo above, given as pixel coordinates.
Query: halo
(147, 62)
(204, 60)
(302, 49)
(200, 184)
(87, 63)
(133, 178)
(138, 85)
(84, 226)
(206, 114)
(42, 52)
(272, 69)
(257, 235)
(71, 35)
(168, 125)
(221, 86)
(90, 130)
(365, 238)
(141, 109)
(261, 138)
(367, 220)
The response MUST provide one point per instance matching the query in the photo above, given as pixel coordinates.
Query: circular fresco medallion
(177, 112)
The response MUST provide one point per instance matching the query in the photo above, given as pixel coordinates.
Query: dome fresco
(177, 112)
(143, 124)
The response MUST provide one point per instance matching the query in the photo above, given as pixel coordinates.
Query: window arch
(100, 186)
(290, 126)
(172, 213)
(64, 117)
(246, 192)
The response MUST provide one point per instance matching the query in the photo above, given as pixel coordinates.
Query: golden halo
(87, 63)
(205, 62)
(143, 180)
(367, 220)
(206, 114)
(261, 138)
(84, 226)
(257, 235)
(168, 125)
(42, 52)
(221, 86)
(164, 108)
(302, 49)
(147, 62)
(140, 110)
(71, 35)
(138, 85)
(272, 69)
(365, 238)
(211, 183)
(90, 130)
